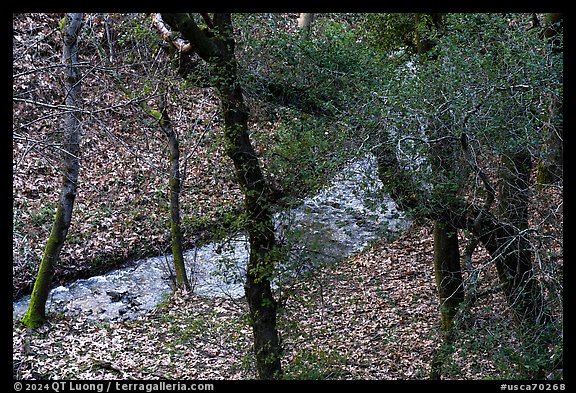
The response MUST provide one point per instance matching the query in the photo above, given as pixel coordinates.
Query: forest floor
(372, 316)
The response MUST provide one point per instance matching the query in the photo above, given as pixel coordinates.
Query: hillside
(373, 316)
(317, 102)
(121, 211)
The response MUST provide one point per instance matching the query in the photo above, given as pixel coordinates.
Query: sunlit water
(340, 220)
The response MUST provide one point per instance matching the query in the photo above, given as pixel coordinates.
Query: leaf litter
(374, 315)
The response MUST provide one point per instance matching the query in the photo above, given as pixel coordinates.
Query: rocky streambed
(343, 218)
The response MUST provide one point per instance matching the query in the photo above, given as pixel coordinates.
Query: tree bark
(550, 168)
(305, 21)
(446, 209)
(260, 223)
(448, 272)
(447, 182)
(552, 25)
(173, 179)
(36, 314)
(509, 244)
(219, 52)
(174, 182)
(422, 23)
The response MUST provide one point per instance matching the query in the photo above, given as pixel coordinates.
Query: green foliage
(61, 24)
(163, 302)
(311, 90)
(489, 80)
(537, 356)
(99, 260)
(303, 155)
(17, 223)
(483, 52)
(398, 33)
(43, 216)
(390, 31)
(136, 33)
(542, 352)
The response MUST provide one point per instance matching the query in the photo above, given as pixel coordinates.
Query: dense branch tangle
(490, 109)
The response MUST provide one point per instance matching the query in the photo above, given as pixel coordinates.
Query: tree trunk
(422, 24)
(305, 22)
(218, 50)
(397, 181)
(448, 272)
(550, 168)
(260, 223)
(174, 182)
(552, 25)
(509, 244)
(445, 205)
(36, 314)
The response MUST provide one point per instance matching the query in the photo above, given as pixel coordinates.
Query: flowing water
(341, 219)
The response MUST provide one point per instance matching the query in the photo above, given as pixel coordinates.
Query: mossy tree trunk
(442, 205)
(174, 182)
(35, 316)
(216, 46)
(503, 231)
(447, 181)
(450, 287)
(260, 230)
(448, 272)
(506, 234)
(173, 179)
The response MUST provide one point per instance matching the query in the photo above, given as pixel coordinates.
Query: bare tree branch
(204, 46)
(179, 43)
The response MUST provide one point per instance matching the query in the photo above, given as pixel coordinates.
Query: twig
(472, 162)
(46, 105)
(109, 366)
(24, 138)
(107, 29)
(48, 67)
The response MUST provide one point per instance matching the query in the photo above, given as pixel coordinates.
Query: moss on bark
(35, 316)
(218, 51)
(174, 184)
(448, 272)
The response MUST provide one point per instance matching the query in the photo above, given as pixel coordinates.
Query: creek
(340, 220)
